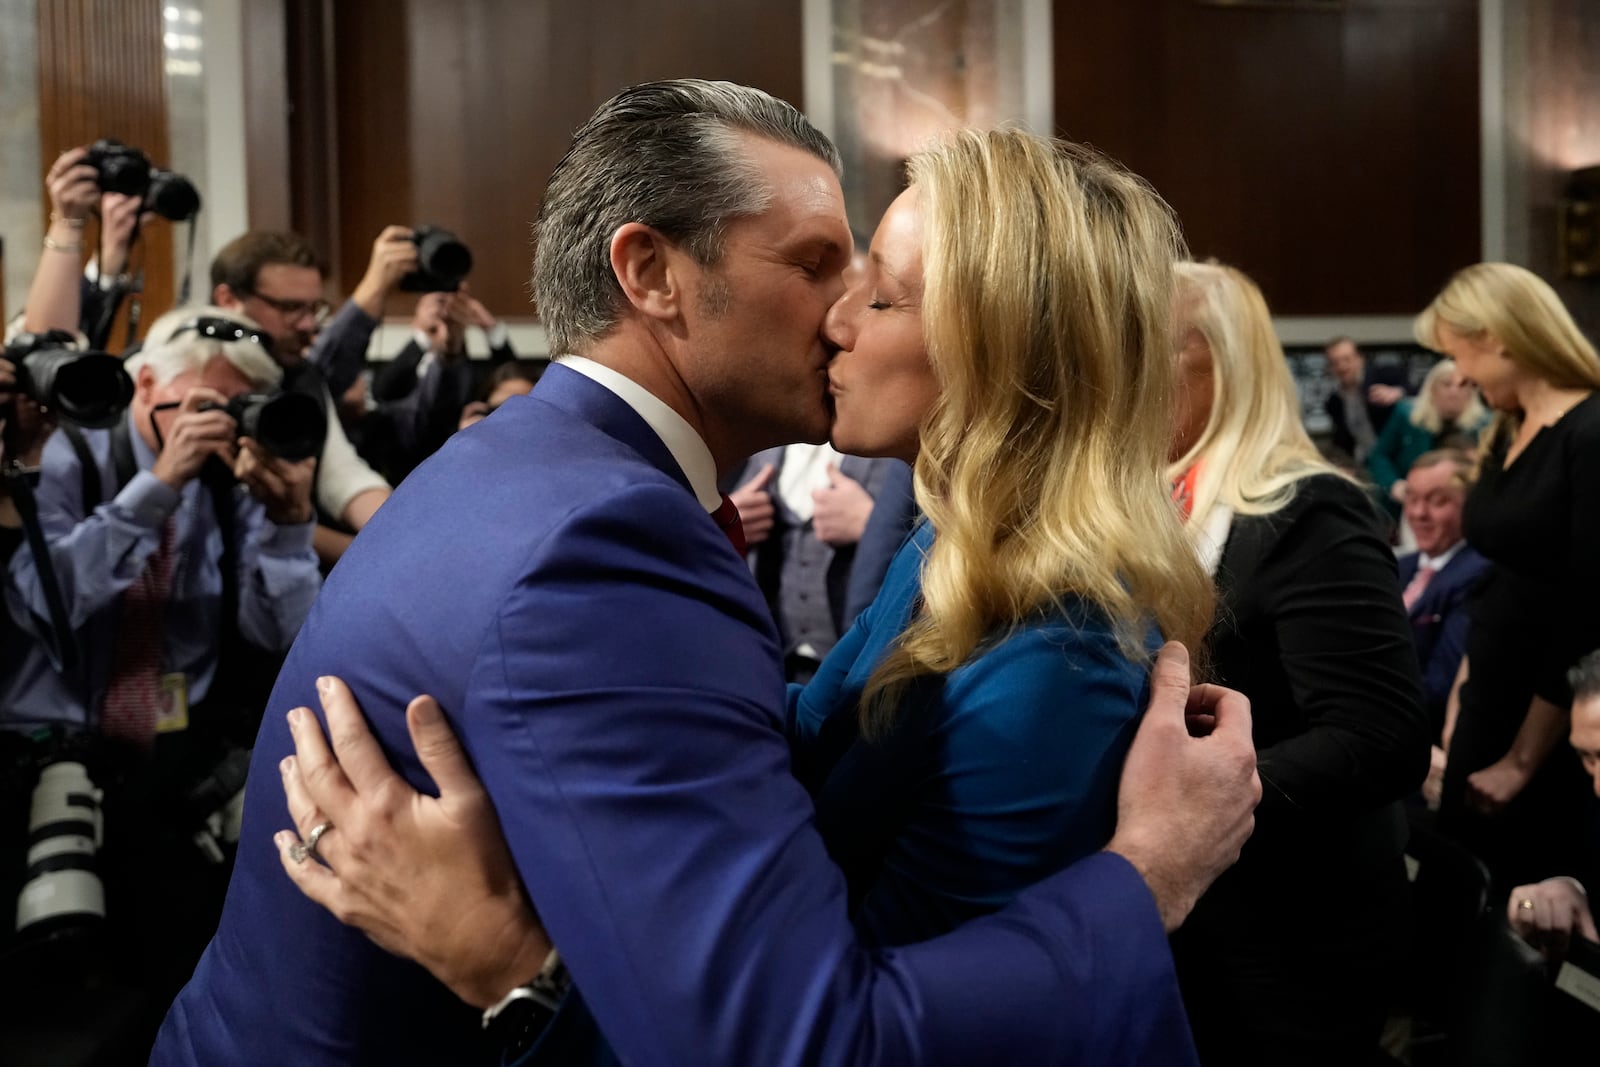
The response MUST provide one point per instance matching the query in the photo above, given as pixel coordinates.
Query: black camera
(122, 169)
(172, 196)
(87, 388)
(118, 167)
(289, 425)
(442, 262)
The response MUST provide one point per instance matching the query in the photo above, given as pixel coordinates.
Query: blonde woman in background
(1282, 960)
(1511, 783)
(1445, 413)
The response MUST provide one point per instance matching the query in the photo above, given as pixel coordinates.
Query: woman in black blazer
(1286, 958)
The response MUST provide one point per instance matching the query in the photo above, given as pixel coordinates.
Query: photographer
(277, 279)
(421, 393)
(142, 574)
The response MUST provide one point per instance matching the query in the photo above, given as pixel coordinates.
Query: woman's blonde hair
(1425, 413)
(1047, 286)
(1254, 447)
(1518, 309)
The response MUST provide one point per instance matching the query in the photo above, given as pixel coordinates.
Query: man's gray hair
(666, 154)
(171, 348)
(1585, 677)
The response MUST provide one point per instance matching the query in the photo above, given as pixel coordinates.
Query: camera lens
(289, 425)
(64, 834)
(172, 196)
(88, 388)
(445, 258)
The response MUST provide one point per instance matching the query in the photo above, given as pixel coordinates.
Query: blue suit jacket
(611, 669)
(1439, 623)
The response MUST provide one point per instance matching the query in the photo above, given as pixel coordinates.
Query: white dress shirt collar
(1441, 561)
(686, 446)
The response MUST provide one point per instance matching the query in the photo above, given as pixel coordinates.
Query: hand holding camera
(120, 218)
(202, 429)
(125, 170)
(73, 187)
(282, 486)
(394, 255)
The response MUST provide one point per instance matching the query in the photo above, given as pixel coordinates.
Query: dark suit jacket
(1379, 415)
(398, 377)
(1439, 623)
(612, 672)
(1281, 959)
(888, 482)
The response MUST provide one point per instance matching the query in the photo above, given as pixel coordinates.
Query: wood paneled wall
(1563, 132)
(454, 112)
(101, 74)
(1332, 154)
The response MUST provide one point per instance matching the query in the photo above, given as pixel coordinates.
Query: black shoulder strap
(64, 640)
(122, 460)
(88, 470)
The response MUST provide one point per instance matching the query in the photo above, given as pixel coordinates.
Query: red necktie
(133, 697)
(1418, 584)
(727, 517)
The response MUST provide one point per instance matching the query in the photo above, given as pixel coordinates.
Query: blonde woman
(1009, 337)
(1282, 959)
(1446, 413)
(1510, 783)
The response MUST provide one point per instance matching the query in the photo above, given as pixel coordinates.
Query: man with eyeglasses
(276, 278)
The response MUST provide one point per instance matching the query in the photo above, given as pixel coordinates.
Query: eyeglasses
(318, 309)
(223, 330)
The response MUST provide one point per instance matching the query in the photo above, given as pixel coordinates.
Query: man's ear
(223, 296)
(144, 385)
(647, 267)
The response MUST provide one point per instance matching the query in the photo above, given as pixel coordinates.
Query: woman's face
(1451, 394)
(1195, 392)
(1482, 361)
(880, 381)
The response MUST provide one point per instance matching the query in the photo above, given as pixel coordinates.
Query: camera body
(442, 262)
(120, 168)
(289, 425)
(86, 388)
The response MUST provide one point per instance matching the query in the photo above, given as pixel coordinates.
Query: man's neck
(637, 355)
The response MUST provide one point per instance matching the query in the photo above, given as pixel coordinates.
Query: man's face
(1585, 736)
(1346, 363)
(148, 394)
(1433, 507)
(754, 321)
(286, 302)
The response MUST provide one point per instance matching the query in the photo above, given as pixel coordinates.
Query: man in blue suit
(1441, 576)
(557, 577)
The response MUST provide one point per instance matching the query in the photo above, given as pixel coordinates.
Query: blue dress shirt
(99, 555)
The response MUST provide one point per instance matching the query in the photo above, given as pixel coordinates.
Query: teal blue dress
(997, 774)
(1403, 442)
